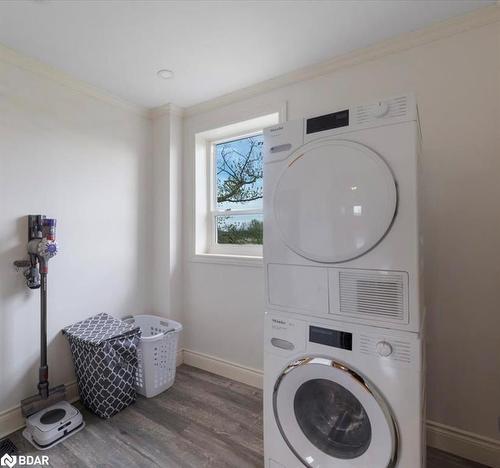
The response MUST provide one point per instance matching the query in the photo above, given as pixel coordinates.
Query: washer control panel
(330, 337)
(284, 335)
(394, 349)
(384, 348)
(282, 344)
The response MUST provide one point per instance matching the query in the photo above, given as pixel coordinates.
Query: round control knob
(384, 349)
(380, 109)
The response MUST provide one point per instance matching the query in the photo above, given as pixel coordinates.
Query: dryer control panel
(327, 122)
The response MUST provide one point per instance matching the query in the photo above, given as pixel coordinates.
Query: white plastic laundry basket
(156, 353)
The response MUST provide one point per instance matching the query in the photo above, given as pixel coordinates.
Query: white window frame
(200, 137)
(253, 250)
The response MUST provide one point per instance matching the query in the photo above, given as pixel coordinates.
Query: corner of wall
(167, 211)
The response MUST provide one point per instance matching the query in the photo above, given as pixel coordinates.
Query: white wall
(167, 213)
(457, 82)
(88, 164)
(76, 158)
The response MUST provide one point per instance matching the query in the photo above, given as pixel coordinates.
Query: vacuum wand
(43, 379)
(42, 247)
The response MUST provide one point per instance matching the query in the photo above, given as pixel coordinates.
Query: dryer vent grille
(379, 295)
(398, 107)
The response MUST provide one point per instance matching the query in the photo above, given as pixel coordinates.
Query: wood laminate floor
(203, 421)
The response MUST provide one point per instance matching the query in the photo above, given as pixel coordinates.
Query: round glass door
(330, 416)
(334, 201)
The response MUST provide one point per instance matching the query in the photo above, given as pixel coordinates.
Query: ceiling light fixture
(165, 74)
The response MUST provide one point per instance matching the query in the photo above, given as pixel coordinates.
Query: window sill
(224, 259)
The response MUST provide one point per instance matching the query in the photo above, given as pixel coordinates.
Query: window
(228, 186)
(236, 201)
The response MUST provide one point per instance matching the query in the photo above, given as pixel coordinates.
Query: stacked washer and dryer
(343, 360)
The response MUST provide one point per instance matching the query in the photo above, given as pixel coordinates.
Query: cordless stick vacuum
(41, 247)
(49, 418)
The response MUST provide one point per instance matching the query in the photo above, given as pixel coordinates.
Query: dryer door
(330, 416)
(334, 201)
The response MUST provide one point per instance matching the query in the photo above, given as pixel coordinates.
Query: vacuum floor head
(53, 425)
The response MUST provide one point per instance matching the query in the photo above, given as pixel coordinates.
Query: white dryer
(341, 395)
(341, 217)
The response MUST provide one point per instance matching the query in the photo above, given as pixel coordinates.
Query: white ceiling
(214, 47)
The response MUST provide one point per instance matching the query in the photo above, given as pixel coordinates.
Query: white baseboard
(180, 357)
(449, 439)
(464, 444)
(12, 420)
(228, 369)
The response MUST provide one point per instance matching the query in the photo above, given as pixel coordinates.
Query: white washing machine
(341, 395)
(341, 221)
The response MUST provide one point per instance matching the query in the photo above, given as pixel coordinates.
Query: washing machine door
(330, 416)
(334, 201)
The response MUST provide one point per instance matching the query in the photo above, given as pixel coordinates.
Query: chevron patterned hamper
(104, 353)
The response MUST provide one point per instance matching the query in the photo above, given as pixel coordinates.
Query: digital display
(327, 122)
(328, 337)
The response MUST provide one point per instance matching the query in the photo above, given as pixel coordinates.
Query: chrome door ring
(369, 387)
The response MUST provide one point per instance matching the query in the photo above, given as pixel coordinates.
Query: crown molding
(166, 109)
(478, 18)
(434, 32)
(20, 60)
